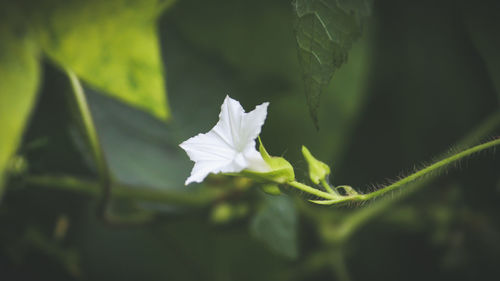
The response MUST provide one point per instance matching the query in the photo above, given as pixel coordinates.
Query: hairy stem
(355, 197)
(357, 219)
(330, 198)
(430, 169)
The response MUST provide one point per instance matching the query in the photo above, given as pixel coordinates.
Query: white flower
(230, 146)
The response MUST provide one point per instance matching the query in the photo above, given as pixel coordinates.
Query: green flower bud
(318, 170)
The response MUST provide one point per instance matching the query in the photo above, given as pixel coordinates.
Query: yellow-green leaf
(112, 45)
(19, 74)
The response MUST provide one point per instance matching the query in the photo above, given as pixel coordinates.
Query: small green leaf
(325, 31)
(113, 45)
(317, 170)
(19, 76)
(275, 224)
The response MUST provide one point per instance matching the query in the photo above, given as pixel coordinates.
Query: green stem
(430, 169)
(90, 130)
(105, 176)
(197, 198)
(351, 197)
(312, 190)
(327, 187)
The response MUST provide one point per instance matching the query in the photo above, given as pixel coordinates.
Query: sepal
(281, 170)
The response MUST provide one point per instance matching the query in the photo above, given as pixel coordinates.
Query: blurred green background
(422, 76)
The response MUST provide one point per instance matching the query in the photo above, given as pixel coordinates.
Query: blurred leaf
(140, 150)
(184, 249)
(482, 23)
(325, 31)
(275, 224)
(111, 44)
(19, 74)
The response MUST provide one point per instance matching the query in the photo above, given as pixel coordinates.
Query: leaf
(112, 45)
(275, 224)
(142, 153)
(19, 75)
(325, 31)
(139, 149)
(185, 249)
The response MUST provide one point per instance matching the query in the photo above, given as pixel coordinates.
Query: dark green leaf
(140, 150)
(275, 224)
(325, 31)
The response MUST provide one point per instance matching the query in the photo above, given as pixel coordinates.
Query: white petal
(252, 123)
(201, 170)
(229, 125)
(208, 147)
(210, 154)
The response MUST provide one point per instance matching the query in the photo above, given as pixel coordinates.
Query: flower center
(240, 161)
